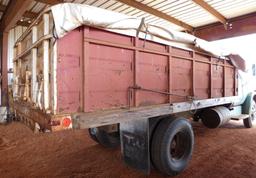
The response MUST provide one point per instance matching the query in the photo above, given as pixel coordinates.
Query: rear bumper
(31, 115)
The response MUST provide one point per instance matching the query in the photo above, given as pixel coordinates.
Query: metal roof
(186, 11)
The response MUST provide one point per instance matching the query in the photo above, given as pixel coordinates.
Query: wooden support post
(211, 78)
(54, 79)
(224, 79)
(34, 64)
(4, 82)
(82, 71)
(193, 74)
(170, 72)
(18, 79)
(46, 62)
(136, 70)
(86, 68)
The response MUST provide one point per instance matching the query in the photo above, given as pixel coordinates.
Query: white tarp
(68, 16)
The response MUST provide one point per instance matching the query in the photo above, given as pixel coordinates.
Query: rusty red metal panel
(95, 73)
(181, 52)
(202, 80)
(217, 77)
(152, 46)
(182, 78)
(110, 74)
(230, 81)
(152, 74)
(69, 76)
(110, 37)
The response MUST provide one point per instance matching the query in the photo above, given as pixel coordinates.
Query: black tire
(248, 122)
(172, 145)
(108, 140)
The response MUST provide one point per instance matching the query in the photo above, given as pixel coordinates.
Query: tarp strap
(142, 23)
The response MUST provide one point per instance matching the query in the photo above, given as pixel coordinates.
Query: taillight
(66, 122)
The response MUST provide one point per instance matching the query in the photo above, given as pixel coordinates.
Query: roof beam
(13, 12)
(30, 15)
(211, 10)
(50, 2)
(156, 13)
(238, 26)
(23, 23)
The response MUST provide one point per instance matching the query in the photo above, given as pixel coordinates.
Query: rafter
(156, 13)
(50, 2)
(23, 23)
(31, 15)
(238, 26)
(211, 10)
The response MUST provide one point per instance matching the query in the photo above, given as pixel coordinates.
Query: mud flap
(135, 144)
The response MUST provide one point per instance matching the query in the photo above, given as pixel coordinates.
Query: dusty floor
(223, 152)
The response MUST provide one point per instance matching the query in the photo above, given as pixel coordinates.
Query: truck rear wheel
(105, 138)
(172, 145)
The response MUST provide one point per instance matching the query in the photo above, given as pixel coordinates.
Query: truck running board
(240, 117)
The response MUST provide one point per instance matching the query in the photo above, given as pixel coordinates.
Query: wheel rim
(178, 146)
(93, 130)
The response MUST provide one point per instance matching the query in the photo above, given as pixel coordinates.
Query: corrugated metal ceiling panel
(233, 8)
(38, 7)
(184, 10)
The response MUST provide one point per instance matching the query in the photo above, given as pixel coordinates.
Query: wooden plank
(211, 10)
(46, 74)
(30, 15)
(149, 51)
(224, 80)
(82, 64)
(34, 64)
(136, 70)
(96, 119)
(211, 79)
(193, 74)
(54, 79)
(46, 47)
(157, 13)
(50, 2)
(38, 42)
(170, 72)
(86, 68)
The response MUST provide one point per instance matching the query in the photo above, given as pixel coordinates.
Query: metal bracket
(135, 144)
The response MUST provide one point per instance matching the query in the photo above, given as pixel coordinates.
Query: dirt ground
(223, 152)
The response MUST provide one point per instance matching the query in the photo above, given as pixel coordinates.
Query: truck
(128, 82)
